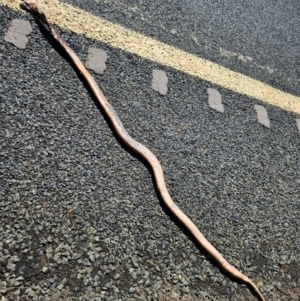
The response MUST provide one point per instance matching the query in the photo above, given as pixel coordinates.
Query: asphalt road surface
(80, 218)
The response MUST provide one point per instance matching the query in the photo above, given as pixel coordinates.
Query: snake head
(34, 10)
(27, 6)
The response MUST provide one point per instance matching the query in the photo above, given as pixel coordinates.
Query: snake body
(145, 153)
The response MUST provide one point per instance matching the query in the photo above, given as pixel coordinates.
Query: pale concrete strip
(298, 123)
(84, 23)
(96, 60)
(159, 81)
(215, 100)
(17, 32)
(262, 115)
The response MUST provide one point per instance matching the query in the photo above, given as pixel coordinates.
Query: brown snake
(144, 152)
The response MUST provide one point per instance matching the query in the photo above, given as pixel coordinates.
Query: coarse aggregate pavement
(79, 216)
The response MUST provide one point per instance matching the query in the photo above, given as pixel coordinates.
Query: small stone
(56, 296)
(203, 294)
(64, 281)
(108, 285)
(15, 258)
(132, 289)
(56, 257)
(44, 269)
(3, 287)
(159, 81)
(60, 287)
(185, 289)
(156, 287)
(10, 265)
(90, 230)
(49, 249)
(8, 134)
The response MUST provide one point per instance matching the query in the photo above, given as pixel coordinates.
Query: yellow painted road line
(81, 22)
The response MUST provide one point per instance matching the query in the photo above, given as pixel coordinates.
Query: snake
(143, 152)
